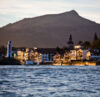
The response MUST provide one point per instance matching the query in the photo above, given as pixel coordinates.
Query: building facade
(9, 49)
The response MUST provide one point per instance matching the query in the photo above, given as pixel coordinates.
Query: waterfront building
(94, 54)
(47, 54)
(9, 49)
(27, 54)
(37, 57)
(32, 55)
(46, 57)
(73, 55)
(20, 56)
(88, 55)
(85, 55)
(66, 58)
(57, 58)
(77, 47)
(78, 53)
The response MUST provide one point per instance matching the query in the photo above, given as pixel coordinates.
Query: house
(94, 54)
(36, 57)
(57, 59)
(78, 53)
(73, 55)
(27, 54)
(66, 57)
(47, 54)
(20, 55)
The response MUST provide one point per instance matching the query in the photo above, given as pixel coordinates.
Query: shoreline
(80, 63)
(74, 63)
(11, 61)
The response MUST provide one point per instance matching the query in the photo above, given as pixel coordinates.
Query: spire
(70, 38)
(70, 42)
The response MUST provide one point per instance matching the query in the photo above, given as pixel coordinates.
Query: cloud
(19, 9)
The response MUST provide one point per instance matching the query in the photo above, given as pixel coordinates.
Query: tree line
(95, 44)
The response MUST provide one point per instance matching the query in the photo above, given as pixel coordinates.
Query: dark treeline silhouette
(95, 44)
(9, 61)
(3, 50)
(85, 44)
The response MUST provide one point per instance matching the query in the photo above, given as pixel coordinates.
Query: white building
(46, 57)
(78, 53)
(9, 49)
(94, 54)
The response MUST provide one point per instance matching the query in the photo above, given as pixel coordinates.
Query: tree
(3, 50)
(80, 43)
(95, 37)
(96, 44)
(58, 49)
(65, 48)
(86, 44)
(9, 61)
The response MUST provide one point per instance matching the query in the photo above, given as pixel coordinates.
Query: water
(49, 81)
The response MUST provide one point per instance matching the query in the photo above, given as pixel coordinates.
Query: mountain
(49, 30)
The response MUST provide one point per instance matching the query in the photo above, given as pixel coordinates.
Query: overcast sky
(15, 10)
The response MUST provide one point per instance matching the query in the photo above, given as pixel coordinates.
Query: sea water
(49, 81)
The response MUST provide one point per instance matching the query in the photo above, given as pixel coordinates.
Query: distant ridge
(49, 31)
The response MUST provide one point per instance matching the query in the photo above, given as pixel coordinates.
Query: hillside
(49, 30)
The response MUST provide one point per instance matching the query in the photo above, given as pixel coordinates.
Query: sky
(15, 10)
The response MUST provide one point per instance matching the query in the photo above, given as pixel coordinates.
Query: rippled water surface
(49, 81)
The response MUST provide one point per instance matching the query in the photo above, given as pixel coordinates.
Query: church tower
(70, 42)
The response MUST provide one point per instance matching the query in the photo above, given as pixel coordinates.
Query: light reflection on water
(49, 81)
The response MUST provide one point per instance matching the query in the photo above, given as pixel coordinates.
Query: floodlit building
(88, 55)
(20, 55)
(78, 53)
(37, 57)
(57, 58)
(77, 47)
(73, 55)
(66, 58)
(27, 54)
